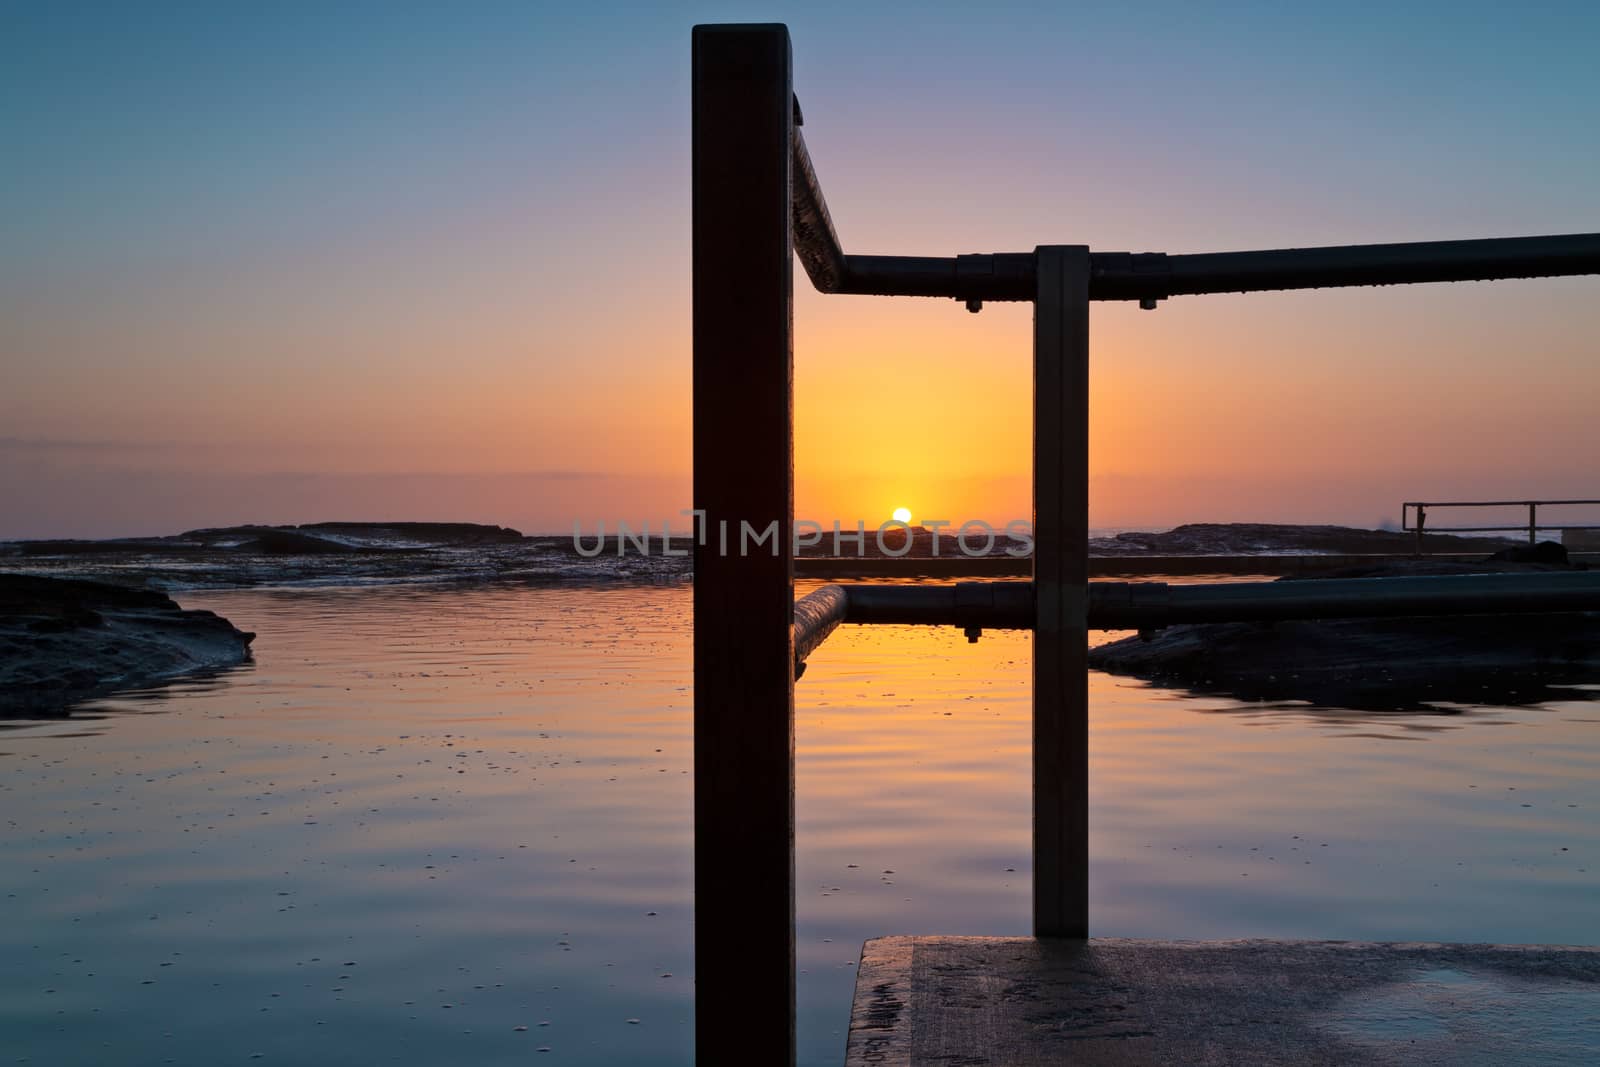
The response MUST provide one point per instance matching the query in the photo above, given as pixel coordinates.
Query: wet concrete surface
(1021, 1002)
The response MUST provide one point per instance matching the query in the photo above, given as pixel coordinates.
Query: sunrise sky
(288, 263)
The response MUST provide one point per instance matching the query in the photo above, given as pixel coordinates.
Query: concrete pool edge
(1022, 1002)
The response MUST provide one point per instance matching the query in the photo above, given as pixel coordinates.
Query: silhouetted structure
(757, 203)
(1420, 508)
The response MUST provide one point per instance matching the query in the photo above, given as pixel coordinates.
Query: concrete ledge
(1020, 1002)
(1130, 566)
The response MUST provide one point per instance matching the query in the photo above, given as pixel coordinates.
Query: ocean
(451, 823)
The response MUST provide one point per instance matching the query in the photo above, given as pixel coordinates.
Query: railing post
(1061, 579)
(1533, 522)
(1422, 519)
(743, 603)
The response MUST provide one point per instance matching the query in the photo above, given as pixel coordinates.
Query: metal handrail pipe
(1006, 276)
(810, 225)
(1000, 276)
(983, 605)
(971, 605)
(1153, 605)
(817, 615)
(1555, 524)
(1381, 264)
(1489, 503)
(1148, 276)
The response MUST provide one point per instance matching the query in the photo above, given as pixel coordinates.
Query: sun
(902, 515)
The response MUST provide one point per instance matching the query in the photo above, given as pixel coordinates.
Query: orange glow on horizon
(358, 293)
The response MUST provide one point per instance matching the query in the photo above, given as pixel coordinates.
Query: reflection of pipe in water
(976, 606)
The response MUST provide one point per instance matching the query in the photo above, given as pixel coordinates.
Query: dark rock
(273, 542)
(463, 534)
(325, 552)
(318, 538)
(63, 641)
(1375, 664)
(1255, 538)
(120, 545)
(1543, 552)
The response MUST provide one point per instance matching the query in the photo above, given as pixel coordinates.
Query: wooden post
(1061, 585)
(743, 590)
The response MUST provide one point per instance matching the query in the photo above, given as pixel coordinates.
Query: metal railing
(1532, 526)
(1151, 276)
(757, 205)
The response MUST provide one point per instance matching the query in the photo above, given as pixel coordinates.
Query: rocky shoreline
(1260, 538)
(336, 553)
(353, 553)
(1394, 664)
(63, 641)
(64, 638)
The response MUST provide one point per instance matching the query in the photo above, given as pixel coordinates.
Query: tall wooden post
(743, 587)
(1061, 584)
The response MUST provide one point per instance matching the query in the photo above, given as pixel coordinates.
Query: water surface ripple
(453, 825)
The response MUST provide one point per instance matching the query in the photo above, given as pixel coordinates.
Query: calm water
(427, 818)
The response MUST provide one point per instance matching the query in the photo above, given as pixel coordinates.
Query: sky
(362, 261)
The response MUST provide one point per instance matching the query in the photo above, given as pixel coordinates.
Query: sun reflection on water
(428, 818)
